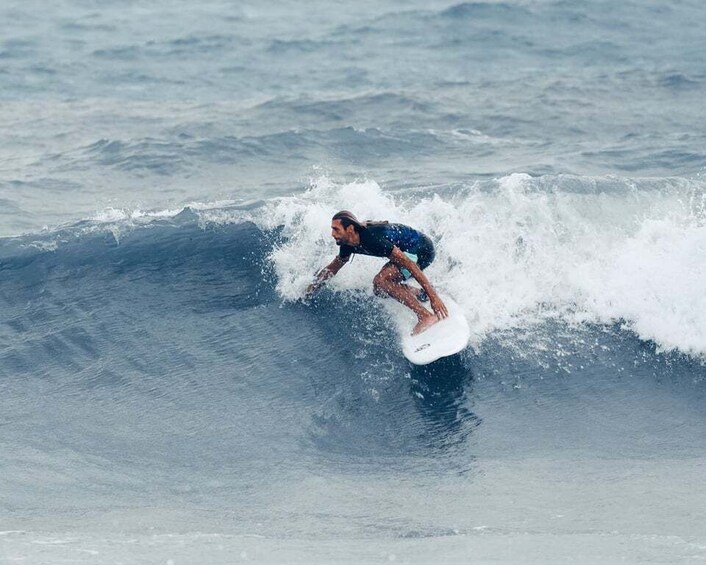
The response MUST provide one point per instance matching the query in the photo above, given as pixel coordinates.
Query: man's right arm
(325, 274)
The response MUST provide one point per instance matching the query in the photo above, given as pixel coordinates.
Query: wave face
(155, 360)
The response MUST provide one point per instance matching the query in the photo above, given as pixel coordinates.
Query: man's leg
(389, 282)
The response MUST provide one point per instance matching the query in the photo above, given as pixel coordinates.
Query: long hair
(349, 219)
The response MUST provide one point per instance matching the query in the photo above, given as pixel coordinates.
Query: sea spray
(518, 250)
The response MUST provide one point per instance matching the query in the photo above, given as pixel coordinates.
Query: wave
(177, 154)
(280, 46)
(496, 10)
(515, 252)
(520, 250)
(189, 45)
(365, 106)
(172, 320)
(142, 352)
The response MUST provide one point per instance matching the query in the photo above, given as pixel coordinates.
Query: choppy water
(167, 175)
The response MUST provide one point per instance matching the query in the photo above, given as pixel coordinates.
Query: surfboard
(447, 337)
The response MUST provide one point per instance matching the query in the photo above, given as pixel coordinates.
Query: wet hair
(348, 219)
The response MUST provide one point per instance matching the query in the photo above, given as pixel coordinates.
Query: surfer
(409, 251)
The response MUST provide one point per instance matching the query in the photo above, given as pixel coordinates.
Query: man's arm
(325, 274)
(401, 260)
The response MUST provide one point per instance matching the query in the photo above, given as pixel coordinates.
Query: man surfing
(409, 252)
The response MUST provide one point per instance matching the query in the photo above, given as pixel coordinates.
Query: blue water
(167, 176)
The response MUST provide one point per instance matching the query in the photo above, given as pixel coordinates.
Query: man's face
(339, 233)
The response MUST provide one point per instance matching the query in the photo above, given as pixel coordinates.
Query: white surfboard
(447, 337)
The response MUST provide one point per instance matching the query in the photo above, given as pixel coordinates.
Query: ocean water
(167, 175)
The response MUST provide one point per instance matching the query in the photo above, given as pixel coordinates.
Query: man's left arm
(401, 260)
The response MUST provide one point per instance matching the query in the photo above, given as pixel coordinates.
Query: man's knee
(382, 282)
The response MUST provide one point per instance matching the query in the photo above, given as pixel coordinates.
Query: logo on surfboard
(422, 347)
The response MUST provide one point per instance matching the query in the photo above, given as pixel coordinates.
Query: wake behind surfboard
(446, 337)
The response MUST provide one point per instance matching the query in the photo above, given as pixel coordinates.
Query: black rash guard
(379, 238)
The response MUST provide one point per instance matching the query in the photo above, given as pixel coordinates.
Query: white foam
(512, 251)
(517, 250)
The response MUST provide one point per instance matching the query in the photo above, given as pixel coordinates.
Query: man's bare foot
(424, 324)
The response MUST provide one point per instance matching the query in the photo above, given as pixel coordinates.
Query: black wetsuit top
(378, 239)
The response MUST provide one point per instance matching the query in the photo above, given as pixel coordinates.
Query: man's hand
(438, 305)
(323, 275)
(310, 290)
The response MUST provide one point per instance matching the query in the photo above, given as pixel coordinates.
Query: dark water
(159, 387)
(167, 175)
